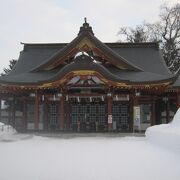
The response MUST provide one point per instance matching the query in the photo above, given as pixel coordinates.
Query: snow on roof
(80, 54)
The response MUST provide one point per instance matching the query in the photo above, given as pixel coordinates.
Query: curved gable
(86, 40)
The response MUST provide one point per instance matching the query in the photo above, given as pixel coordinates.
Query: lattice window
(89, 113)
(102, 119)
(75, 114)
(121, 115)
(53, 115)
(30, 112)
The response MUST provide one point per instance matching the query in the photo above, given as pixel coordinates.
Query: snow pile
(6, 131)
(167, 135)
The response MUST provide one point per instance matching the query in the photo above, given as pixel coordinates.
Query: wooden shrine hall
(89, 86)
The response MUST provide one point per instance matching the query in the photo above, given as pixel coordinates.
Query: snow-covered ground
(93, 158)
(82, 158)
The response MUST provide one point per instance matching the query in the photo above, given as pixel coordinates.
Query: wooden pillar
(9, 111)
(153, 111)
(46, 111)
(61, 108)
(36, 110)
(109, 106)
(131, 123)
(13, 112)
(167, 111)
(178, 100)
(24, 114)
(136, 100)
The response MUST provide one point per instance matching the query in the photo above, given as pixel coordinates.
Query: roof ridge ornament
(85, 28)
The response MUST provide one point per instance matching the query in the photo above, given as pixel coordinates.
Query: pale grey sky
(59, 20)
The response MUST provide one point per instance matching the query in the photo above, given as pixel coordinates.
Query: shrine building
(89, 86)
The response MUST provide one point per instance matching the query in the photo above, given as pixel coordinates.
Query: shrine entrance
(88, 115)
(120, 114)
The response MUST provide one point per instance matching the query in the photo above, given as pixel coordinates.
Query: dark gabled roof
(147, 58)
(85, 62)
(86, 32)
(176, 84)
(32, 56)
(144, 61)
(145, 55)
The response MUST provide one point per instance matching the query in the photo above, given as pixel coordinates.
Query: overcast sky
(59, 20)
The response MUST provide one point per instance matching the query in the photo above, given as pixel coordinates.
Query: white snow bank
(1, 124)
(167, 135)
(176, 119)
(6, 131)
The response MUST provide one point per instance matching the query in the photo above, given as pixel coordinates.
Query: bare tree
(166, 31)
(134, 35)
(170, 19)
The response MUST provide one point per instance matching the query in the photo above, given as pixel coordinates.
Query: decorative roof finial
(85, 27)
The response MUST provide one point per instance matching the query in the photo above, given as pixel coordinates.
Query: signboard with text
(137, 118)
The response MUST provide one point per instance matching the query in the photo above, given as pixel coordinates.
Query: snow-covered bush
(6, 130)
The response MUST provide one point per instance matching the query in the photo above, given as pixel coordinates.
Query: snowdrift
(6, 130)
(167, 135)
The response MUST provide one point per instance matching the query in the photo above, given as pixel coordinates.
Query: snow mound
(6, 131)
(167, 135)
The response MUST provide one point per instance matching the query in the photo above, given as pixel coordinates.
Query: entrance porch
(85, 112)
